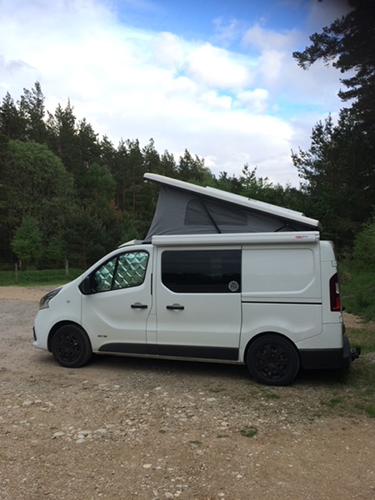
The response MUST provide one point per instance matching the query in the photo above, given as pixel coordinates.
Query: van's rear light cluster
(334, 293)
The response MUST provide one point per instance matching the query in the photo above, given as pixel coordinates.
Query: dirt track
(138, 429)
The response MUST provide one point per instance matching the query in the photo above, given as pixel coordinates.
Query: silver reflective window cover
(104, 276)
(131, 270)
(126, 271)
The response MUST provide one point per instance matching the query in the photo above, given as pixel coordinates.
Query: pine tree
(12, 123)
(348, 44)
(31, 108)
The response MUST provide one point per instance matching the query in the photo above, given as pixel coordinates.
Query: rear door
(198, 302)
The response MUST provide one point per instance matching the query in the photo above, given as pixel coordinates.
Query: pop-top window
(202, 271)
(203, 213)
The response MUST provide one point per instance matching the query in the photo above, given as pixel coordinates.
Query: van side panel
(295, 321)
(281, 292)
(286, 290)
(282, 274)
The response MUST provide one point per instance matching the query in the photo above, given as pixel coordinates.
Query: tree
(253, 186)
(27, 241)
(191, 169)
(107, 153)
(338, 177)
(168, 165)
(135, 169)
(89, 143)
(5, 198)
(364, 246)
(63, 138)
(12, 123)
(31, 108)
(231, 184)
(39, 186)
(348, 44)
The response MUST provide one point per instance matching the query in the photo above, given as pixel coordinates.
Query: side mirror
(85, 286)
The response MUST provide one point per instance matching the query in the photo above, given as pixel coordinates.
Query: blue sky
(214, 77)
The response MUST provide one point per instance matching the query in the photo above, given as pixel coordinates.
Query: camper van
(218, 278)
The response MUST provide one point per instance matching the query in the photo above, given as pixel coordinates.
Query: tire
(71, 347)
(272, 360)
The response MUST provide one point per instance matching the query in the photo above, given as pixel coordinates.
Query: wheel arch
(59, 325)
(270, 332)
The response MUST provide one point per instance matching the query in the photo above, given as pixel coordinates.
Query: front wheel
(272, 360)
(71, 346)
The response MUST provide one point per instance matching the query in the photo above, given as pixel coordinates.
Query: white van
(267, 299)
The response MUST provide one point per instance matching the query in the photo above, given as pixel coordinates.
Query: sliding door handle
(175, 307)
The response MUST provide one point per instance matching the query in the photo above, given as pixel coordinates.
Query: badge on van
(233, 286)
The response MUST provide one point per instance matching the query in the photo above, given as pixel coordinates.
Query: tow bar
(354, 353)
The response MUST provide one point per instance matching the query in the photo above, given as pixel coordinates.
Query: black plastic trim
(177, 351)
(281, 303)
(316, 359)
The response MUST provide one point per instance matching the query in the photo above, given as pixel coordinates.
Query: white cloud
(168, 50)
(268, 40)
(216, 67)
(254, 100)
(137, 84)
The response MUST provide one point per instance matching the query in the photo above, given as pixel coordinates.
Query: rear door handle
(175, 307)
(138, 305)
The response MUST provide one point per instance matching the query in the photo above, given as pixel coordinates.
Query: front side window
(202, 271)
(124, 271)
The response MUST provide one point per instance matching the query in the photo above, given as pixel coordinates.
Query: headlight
(44, 301)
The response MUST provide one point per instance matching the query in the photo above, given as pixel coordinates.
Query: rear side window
(202, 271)
(125, 271)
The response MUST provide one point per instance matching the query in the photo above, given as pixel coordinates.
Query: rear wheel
(272, 360)
(71, 346)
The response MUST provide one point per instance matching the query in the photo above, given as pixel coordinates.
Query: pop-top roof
(185, 208)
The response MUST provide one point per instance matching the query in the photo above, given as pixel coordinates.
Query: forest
(68, 194)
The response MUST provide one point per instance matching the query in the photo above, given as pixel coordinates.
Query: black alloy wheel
(273, 360)
(71, 346)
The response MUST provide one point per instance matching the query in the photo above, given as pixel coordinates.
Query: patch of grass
(271, 396)
(331, 403)
(370, 410)
(358, 289)
(364, 337)
(249, 431)
(34, 277)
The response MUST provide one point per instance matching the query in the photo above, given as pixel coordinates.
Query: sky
(215, 77)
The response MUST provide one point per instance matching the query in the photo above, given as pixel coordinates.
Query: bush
(364, 245)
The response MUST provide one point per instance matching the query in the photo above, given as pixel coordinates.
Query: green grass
(38, 277)
(363, 337)
(332, 402)
(249, 431)
(358, 290)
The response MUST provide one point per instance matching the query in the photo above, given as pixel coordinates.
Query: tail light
(334, 293)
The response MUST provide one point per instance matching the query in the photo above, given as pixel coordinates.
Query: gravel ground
(126, 428)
